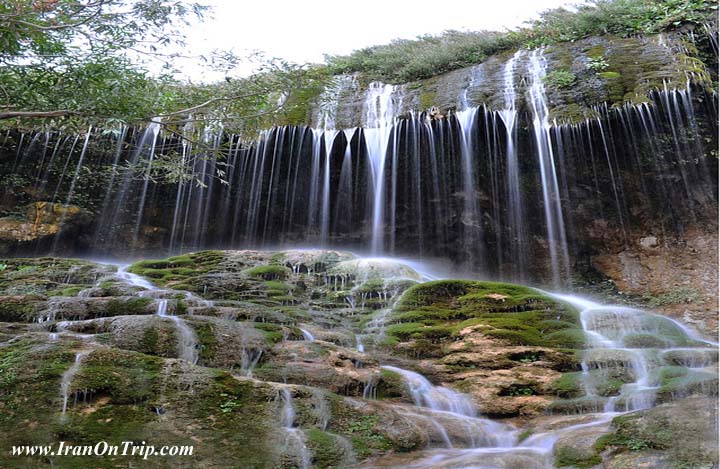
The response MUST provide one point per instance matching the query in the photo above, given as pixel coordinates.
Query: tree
(79, 63)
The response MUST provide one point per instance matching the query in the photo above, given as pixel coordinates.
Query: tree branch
(40, 114)
(211, 101)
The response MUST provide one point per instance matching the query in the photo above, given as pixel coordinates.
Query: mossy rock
(567, 456)
(18, 308)
(438, 311)
(178, 270)
(568, 386)
(682, 432)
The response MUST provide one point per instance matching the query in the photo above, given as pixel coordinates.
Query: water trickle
(307, 335)
(186, 340)
(67, 378)
(295, 446)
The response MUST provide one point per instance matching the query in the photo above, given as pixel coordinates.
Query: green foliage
(597, 64)
(560, 78)
(232, 403)
(673, 297)
(407, 60)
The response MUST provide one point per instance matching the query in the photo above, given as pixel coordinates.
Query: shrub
(560, 78)
(597, 64)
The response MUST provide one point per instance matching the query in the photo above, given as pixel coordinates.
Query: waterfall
(307, 335)
(556, 238)
(457, 406)
(379, 118)
(515, 211)
(186, 340)
(71, 191)
(471, 218)
(613, 333)
(494, 189)
(151, 133)
(295, 446)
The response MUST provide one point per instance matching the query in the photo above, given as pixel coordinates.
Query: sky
(302, 31)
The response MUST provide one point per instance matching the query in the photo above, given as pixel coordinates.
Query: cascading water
(515, 211)
(307, 335)
(379, 119)
(295, 446)
(187, 341)
(186, 338)
(556, 237)
(631, 344)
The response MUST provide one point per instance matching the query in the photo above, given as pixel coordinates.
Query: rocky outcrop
(40, 226)
(630, 68)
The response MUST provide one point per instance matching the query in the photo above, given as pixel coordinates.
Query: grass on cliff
(405, 60)
(436, 312)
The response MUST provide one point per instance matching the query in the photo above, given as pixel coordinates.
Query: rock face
(678, 276)
(633, 67)
(311, 359)
(40, 226)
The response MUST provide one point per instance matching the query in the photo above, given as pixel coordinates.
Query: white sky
(302, 31)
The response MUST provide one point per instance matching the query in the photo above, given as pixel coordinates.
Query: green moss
(567, 456)
(178, 270)
(18, 308)
(568, 386)
(118, 307)
(127, 377)
(682, 431)
(390, 385)
(609, 75)
(180, 307)
(646, 340)
(596, 51)
(268, 272)
(436, 312)
(427, 100)
(207, 341)
(240, 416)
(325, 449)
(363, 436)
(672, 297)
(275, 333)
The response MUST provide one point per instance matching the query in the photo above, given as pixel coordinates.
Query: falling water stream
(186, 338)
